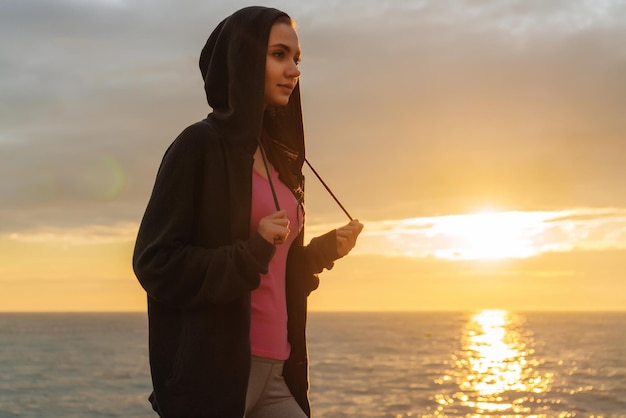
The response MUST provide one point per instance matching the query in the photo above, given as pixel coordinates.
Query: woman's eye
(297, 60)
(279, 54)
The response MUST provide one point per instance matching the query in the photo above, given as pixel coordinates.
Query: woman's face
(281, 65)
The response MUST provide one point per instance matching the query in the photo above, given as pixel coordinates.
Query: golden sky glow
(481, 143)
(444, 263)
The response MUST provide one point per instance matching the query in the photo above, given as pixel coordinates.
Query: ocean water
(478, 364)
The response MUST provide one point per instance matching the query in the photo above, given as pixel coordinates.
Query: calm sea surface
(481, 364)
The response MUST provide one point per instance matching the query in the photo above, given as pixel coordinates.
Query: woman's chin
(280, 101)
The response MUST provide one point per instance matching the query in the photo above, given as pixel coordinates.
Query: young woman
(220, 249)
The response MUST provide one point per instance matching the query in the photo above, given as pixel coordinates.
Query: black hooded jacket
(194, 255)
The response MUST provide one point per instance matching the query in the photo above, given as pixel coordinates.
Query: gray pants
(268, 395)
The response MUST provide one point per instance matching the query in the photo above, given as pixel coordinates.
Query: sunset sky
(482, 144)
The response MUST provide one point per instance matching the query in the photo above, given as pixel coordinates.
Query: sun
(489, 235)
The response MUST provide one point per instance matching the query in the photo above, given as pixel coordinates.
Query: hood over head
(232, 64)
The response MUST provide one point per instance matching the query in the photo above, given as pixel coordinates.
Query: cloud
(468, 109)
(416, 111)
(85, 235)
(485, 235)
(413, 106)
(493, 235)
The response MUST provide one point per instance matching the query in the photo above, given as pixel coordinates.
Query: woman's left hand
(347, 235)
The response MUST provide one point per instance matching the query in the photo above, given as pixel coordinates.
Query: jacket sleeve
(321, 253)
(310, 260)
(166, 262)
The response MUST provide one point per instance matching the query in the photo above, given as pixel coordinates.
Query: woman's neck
(259, 166)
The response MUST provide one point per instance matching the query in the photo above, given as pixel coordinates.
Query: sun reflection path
(494, 373)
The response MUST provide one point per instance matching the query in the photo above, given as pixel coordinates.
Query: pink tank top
(268, 326)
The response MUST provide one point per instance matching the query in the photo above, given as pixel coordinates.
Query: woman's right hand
(274, 228)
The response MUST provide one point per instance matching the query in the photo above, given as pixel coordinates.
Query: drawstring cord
(269, 177)
(328, 189)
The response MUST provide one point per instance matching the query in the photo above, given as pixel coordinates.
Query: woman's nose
(293, 70)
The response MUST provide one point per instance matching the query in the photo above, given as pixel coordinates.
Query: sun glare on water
(495, 371)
